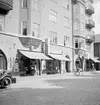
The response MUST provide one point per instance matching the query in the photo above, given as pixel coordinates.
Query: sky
(96, 16)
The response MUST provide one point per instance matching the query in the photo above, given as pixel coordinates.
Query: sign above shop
(30, 42)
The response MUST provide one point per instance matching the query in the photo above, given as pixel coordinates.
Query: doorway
(3, 61)
(67, 66)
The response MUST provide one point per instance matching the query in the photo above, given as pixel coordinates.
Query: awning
(34, 55)
(59, 57)
(95, 60)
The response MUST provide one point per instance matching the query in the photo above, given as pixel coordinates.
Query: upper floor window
(82, 10)
(76, 43)
(77, 9)
(24, 3)
(66, 22)
(66, 41)
(2, 23)
(36, 30)
(82, 44)
(36, 5)
(53, 16)
(76, 25)
(82, 26)
(24, 28)
(66, 4)
(53, 37)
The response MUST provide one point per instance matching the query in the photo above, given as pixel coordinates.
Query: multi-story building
(97, 51)
(83, 34)
(37, 32)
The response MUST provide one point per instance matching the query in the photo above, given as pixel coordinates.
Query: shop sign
(28, 42)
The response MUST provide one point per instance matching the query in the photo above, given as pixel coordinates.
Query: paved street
(53, 90)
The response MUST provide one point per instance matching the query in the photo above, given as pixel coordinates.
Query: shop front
(31, 59)
(61, 58)
(31, 62)
(90, 61)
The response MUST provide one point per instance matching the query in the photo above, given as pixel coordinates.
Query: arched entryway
(3, 61)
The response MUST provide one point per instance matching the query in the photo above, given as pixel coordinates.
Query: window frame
(22, 27)
(77, 43)
(36, 6)
(24, 5)
(76, 24)
(53, 37)
(53, 16)
(66, 41)
(66, 20)
(66, 4)
(2, 23)
(36, 30)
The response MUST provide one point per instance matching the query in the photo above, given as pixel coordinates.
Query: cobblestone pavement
(53, 90)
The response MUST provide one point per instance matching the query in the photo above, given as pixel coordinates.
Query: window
(53, 37)
(24, 3)
(66, 22)
(1, 23)
(24, 28)
(66, 41)
(82, 44)
(36, 5)
(36, 30)
(82, 10)
(53, 16)
(82, 26)
(77, 9)
(77, 25)
(76, 43)
(66, 4)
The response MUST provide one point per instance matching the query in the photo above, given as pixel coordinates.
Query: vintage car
(6, 78)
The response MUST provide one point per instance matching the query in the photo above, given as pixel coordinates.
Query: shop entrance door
(67, 66)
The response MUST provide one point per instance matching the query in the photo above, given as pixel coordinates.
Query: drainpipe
(72, 39)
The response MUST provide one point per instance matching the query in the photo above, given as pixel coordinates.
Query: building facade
(38, 32)
(48, 34)
(97, 50)
(83, 33)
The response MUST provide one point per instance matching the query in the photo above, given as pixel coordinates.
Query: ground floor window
(53, 66)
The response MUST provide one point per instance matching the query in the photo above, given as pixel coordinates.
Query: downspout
(72, 39)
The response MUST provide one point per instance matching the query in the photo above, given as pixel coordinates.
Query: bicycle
(77, 71)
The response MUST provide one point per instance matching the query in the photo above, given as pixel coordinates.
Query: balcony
(6, 6)
(90, 39)
(90, 24)
(89, 10)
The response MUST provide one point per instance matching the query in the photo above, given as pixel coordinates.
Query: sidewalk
(55, 76)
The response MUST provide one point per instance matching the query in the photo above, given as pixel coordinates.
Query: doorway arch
(3, 61)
